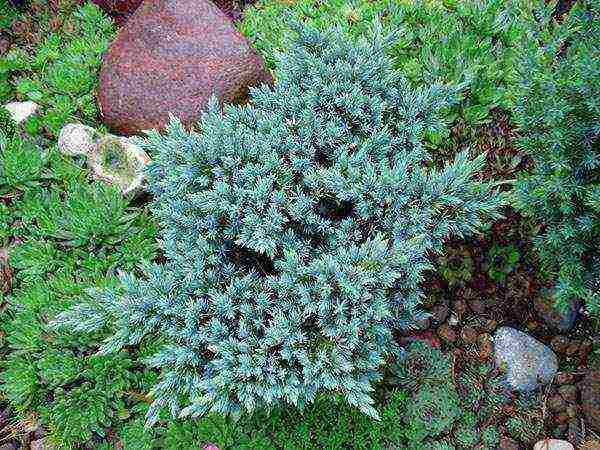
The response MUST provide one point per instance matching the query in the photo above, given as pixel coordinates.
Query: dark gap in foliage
(334, 209)
(142, 199)
(562, 8)
(251, 260)
(322, 158)
(314, 240)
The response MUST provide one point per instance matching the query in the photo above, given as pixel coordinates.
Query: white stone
(117, 160)
(77, 139)
(113, 159)
(553, 444)
(20, 111)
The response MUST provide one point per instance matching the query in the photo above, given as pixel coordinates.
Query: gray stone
(528, 363)
(553, 444)
(118, 161)
(77, 139)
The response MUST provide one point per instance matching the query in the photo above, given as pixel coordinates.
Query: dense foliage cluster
(296, 231)
(67, 232)
(60, 72)
(559, 119)
(7, 124)
(472, 43)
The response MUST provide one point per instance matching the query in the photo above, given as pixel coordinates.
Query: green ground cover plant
(60, 72)
(470, 43)
(558, 116)
(8, 14)
(72, 235)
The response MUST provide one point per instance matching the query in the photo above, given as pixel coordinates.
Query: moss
(114, 158)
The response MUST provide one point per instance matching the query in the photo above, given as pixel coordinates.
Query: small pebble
(553, 444)
(564, 378)
(446, 333)
(490, 325)
(469, 335)
(559, 344)
(460, 308)
(477, 306)
(20, 111)
(572, 348)
(439, 313)
(508, 444)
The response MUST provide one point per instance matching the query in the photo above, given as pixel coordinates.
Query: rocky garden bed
(354, 225)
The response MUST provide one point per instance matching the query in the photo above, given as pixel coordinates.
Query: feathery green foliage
(8, 127)
(61, 236)
(468, 42)
(297, 230)
(558, 114)
(61, 72)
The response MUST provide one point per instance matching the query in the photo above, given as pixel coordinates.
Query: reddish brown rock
(558, 319)
(469, 335)
(572, 348)
(119, 10)
(559, 344)
(508, 444)
(170, 57)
